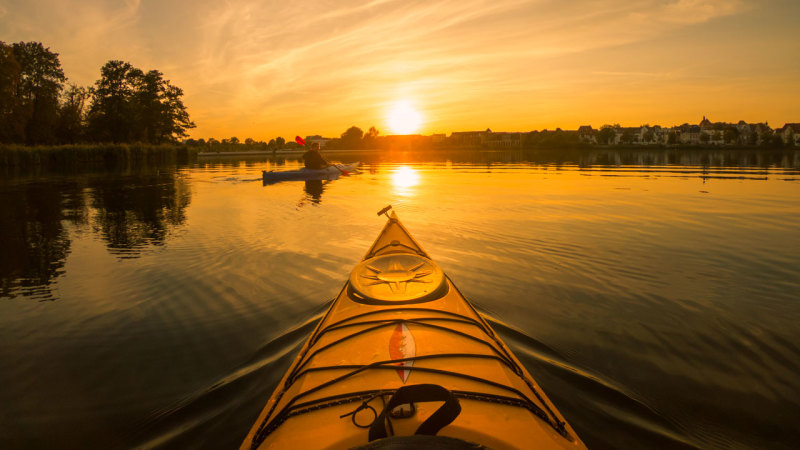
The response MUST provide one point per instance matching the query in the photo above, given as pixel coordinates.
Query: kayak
(402, 360)
(330, 172)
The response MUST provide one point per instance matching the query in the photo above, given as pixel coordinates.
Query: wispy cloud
(261, 67)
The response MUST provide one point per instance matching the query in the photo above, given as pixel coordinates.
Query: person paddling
(313, 158)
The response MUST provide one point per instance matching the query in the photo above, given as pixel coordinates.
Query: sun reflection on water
(404, 179)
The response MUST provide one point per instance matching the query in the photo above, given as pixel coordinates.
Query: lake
(655, 295)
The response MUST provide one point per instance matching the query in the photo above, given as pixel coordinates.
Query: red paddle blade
(299, 140)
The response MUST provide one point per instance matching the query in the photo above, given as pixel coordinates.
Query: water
(655, 296)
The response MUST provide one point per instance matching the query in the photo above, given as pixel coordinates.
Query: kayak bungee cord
(392, 364)
(419, 321)
(522, 402)
(399, 317)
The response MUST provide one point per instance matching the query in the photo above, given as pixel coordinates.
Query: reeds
(17, 157)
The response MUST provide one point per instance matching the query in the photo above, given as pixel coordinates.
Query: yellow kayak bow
(402, 360)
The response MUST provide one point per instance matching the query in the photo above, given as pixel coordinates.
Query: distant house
(318, 139)
(502, 139)
(689, 134)
(468, 138)
(661, 134)
(790, 133)
(629, 135)
(759, 129)
(438, 138)
(587, 134)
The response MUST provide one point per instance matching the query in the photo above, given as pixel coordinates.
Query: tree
(111, 108)
(131, 105)
(606, 135)
(730, 134)
(627, 136)
(71, 115)
(766, 136)
(352, 137)
(12, 129)
(705, 137)
(280, 142)
(370, 139)
(40, 82)
(672, 138)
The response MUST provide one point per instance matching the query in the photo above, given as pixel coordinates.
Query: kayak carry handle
(442, 417)
(385, 210)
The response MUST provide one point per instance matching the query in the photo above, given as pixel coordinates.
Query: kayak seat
(418, 442)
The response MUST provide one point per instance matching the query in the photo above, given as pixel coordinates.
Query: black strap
(442, 417)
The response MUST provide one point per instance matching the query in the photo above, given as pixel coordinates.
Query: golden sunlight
(403, 118)
(404, 178)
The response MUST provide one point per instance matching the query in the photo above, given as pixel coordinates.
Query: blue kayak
(328, 173)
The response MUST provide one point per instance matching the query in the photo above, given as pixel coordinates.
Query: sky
(263, 69)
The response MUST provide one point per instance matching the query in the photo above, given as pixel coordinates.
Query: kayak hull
(400, 324)
(328, 173)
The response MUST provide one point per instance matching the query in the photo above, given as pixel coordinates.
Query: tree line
(39, 107)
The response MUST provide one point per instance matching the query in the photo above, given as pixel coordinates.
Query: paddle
(301, 141)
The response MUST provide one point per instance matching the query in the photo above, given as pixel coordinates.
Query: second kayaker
(313, 158)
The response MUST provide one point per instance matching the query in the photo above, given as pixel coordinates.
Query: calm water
(654, 296)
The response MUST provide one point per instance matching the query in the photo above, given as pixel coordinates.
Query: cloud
(313, 59)
(699, 11)
(325, 62)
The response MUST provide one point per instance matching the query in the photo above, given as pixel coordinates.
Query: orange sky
(263, 69)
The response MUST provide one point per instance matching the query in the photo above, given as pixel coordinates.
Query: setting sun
(403, 118)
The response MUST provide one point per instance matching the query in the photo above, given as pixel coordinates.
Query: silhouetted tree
(370, 139)
(672, 138)
(160, 115)
(280, 142)
(131, 105)
(627, 136)
(71, 115)
(766, 137)
(12, 129)
(606, 135)
(352, 137)
(40, 82)
(730, 134)
(111, 108)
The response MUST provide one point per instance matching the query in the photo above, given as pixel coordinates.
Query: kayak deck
(398, 327)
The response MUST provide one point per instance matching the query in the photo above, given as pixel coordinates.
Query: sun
(403, 118)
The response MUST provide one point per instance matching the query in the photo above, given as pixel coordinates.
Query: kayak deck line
(400, 335)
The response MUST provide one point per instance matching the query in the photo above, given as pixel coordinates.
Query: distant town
(704, 134)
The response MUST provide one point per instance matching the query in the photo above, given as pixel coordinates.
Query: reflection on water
(34, 239)
(652, 294)
(128, 212)
(405, 179)
(132, 213)
(314, 190)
